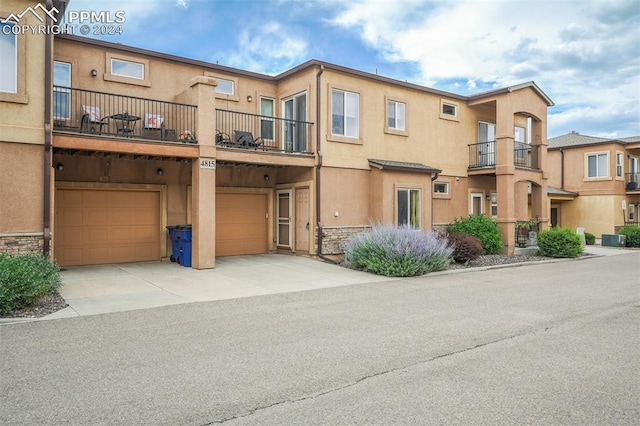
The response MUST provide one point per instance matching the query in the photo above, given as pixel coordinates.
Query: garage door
(106, 226)
(241, 224)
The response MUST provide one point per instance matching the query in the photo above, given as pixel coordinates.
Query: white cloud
(584, 54)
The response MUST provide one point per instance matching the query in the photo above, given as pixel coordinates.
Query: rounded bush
(633, 235)
(483, 228)
(465, 247)
(589, 238)
(26, 278)
(560, 242)
(398, 252)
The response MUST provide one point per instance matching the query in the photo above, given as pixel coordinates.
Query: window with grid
(395, 115)
(345, 113)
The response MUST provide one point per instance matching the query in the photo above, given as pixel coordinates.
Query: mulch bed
(45, 306)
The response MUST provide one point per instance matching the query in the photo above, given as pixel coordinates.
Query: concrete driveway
(91, 290)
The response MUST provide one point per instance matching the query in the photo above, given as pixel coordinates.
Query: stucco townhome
(104, 145)
(598, 182)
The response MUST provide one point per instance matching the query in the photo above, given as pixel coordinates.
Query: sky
(585, 55)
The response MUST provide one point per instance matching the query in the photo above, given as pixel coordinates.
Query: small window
(225, 87)
(409, 207)
(9, 55)
(266, 123)
(619, 160)
(127, 68)
(632, 213)
(494, 204)
(345, 114)
(395, 115)
(597, 165)
(441, 187)
(449, 109)
(61, 90)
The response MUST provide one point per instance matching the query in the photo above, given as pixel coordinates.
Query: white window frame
(399, 115)
(350, 101)
(418, 215)
(619, 164)
(449, 110)
(228, 87)
(599, 174)
(480, 196)
(632, 212)
(9, 81)
(494, 204)
(59, 91)
(134, 75)
(446, 188)
(266, 122)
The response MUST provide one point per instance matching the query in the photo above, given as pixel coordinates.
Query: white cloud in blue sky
(584, 54)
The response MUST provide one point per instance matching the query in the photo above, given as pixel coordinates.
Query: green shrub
(483, 228)
(26, 278)
(559, 242)
(398, 252)
(589, 238)
(465, 247)
(632, 233)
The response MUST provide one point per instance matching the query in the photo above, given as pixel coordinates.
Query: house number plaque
(207, 163)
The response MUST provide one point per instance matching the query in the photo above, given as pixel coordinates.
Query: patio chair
(91, 119)
(246, 140)
(154, 126)
(223, 139)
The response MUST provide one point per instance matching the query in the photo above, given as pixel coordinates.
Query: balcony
(483, 155)
(632, 182)
(238, 130)
(87, 112)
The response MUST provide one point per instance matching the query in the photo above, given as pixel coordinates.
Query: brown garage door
(106, 226)
(241, 224)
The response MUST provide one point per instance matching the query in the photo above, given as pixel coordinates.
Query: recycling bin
(175, 243)
(184, 237)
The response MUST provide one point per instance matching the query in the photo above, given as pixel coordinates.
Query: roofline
(582, 145)
(308, 64)
(396, 167)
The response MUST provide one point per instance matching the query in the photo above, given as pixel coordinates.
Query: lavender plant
(398, 251)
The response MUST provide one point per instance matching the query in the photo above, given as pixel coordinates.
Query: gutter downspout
(319, 165)
(46, 214)
(433, 178)
(561, 168)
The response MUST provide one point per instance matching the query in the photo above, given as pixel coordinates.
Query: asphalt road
(557, 343)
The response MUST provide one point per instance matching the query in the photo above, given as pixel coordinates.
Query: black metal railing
(527, 233)
(482, 154)
(260, 132)
(633, 181)
(525, 155)
(631, 223)
(108, 114)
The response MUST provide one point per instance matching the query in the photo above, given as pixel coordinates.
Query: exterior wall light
(249, 98)
(266, 178)
(59, 167)
(160, 172)
(94, 72)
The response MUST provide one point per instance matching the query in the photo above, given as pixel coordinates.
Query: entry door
(554, 217)
(295, 133)
(477, 206)
(302, 219)
(284, 218)
(486, 143)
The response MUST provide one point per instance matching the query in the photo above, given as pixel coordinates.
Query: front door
(486, 143)
(283, 235)
(477, 206)
(295, 112)
(302, 219)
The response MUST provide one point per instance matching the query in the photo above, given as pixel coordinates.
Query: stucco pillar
(505, 174)
(204, 175)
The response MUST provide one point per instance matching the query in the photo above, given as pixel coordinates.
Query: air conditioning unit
(613, 240)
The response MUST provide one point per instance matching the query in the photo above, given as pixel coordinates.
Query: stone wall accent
(334, 237)
(22, 243)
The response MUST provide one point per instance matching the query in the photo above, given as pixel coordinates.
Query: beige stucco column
(204, 175)
(505, 174)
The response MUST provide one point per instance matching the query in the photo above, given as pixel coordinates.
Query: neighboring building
(599, 179)
(297, 162)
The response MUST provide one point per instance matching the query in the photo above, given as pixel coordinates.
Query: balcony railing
(632, 181)
(264, 132)
(483, 155)
(108, 114)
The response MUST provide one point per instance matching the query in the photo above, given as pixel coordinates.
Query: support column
(203, 178)
(505, 174)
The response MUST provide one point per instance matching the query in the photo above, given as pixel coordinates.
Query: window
(127, 68)
(266, 124)
(395, 115)
(449, 109)
(632, 212)
(9, 62)
(345, 113)
(619, 160)
(597, 165)
(61, 91)
(441, 187)
(409, 207)
(225, 87)
(494, 204)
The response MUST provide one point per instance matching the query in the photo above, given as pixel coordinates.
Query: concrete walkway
(92, 290)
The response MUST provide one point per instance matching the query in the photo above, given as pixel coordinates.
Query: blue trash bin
(175, 243)
(184, 237)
